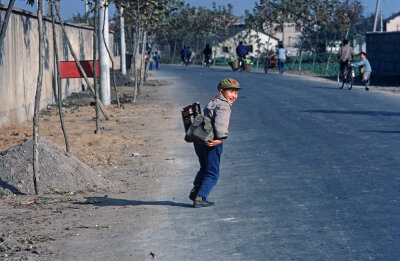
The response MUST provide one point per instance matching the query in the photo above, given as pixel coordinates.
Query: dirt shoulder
(131, 153)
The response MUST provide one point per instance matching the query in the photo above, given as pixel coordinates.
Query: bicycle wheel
(350, 81)
(340, 80)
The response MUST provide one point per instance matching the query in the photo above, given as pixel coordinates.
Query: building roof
(392, 17)
(238, 29)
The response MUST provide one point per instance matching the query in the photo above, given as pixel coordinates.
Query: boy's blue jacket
(219, 110)
(364, 62)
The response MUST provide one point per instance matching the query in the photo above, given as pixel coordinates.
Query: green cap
(228, 83)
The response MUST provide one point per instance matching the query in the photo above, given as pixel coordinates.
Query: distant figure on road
(209, 153)
(157, 59)
(242, 50)
(281, 58)
(365, 69)
(207, 55)
(345, 55)
(184, 53)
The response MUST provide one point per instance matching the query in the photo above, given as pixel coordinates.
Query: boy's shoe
(366, 88)
(202, 203)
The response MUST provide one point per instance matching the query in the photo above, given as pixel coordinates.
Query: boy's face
(230, 94)
(362, 56)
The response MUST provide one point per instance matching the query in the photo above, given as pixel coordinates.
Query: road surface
(309, 172)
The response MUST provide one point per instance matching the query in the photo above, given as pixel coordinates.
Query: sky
(71, 7)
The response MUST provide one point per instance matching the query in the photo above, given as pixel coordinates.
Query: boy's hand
(213, 143)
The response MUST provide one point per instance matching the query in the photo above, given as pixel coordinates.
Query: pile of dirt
(60, 172)
(79, 99)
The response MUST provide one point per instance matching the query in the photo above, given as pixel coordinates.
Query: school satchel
(201, 129)
(361, 69)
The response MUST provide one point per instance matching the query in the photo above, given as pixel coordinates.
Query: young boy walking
(367, 69)
(209, 153)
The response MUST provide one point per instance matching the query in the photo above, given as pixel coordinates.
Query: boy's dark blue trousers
(207, 176)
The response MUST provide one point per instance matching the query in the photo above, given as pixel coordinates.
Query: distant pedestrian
(281, 58)
(157, 59)
(365, 69)
(209, 153)
(184, 53)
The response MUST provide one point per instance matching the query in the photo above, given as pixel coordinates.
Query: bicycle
(207, 61)
(241, 62)
(347, 78)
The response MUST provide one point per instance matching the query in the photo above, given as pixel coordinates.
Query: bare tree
(6, 20)
(95, 84)
(36, 173)
(58, 79)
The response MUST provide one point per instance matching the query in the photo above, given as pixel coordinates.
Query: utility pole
(376, 15)
(122, 39)
(87, 10)
(105, 93)
(43, 3)
(381, 21)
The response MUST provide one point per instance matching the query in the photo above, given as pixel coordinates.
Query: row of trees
(322, 23)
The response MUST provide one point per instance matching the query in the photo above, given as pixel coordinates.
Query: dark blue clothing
(242, 50)
(207, 176)
(281, 65)
(184, 52)
(157, 58)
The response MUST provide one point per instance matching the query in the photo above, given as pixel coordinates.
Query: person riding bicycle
(345, 55)
(207, 54)
(242, 50)
(365, 69)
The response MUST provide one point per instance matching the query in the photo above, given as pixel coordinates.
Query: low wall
(383, 53)
(19, 62)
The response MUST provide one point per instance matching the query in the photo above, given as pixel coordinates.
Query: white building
(392, 24)
(258, 43)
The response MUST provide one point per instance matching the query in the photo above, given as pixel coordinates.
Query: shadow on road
(368, 113)
(327, 87)
(105, 201)
(381, 131)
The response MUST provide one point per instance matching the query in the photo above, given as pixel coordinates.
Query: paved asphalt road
(309, 172)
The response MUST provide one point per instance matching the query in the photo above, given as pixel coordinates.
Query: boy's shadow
(106, 201)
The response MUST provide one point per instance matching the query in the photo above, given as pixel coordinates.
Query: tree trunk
(301, 54)
(315, 55)
(102, 108)
(330, 54)
(197, 51)
(36, 173)
(95, 80)
(112, 62)
(148, 64)
(58, 79)
(5, 22)
(135, 69)
(142, 64)
(173, 52)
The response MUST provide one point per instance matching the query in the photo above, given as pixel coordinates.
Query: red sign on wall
(70, 69)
